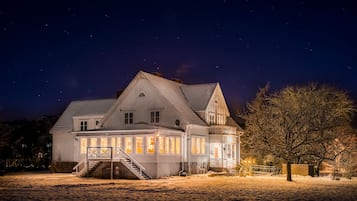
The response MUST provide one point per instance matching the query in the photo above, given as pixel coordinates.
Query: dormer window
(128, 118)
(155, 117)
(84, 125)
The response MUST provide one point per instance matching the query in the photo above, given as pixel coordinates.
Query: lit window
(172, 145)
(167, 145)
(84, 125)
(139, 144)
(113, 142)
(150, 145)
(104, 145)
(93, 142)
(128, 118)
(161, 145)
(155, 117)
(83, 145)
(178, 145)
(128, 145)
(198, 145)
(193, 146)
(116, 142)
(203, 146)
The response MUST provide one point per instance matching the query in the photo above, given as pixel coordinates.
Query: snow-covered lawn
(47, 186)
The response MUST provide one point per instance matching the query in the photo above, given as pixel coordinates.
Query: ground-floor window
(178, 145)
(103, 145)
(169, 145)
(150, 145)
(139, 145)
(83, 145)
(128, 145)
(198, 145)
(93, 142)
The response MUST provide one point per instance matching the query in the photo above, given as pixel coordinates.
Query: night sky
(53, 52)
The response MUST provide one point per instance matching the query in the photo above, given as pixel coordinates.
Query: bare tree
(297, 122)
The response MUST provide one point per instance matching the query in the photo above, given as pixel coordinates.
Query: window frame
(155, 116)
(83, 125)
(128, 118)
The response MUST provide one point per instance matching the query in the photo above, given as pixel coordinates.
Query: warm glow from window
(139, 144)
(198, 145)
(104, 145)
(113, 142)
(178, 145)
(167, 145)
(172, 145)
(203, 146)
(128, 145)
(161, 145)
(83, 145)
(93, 142)
(150, 144)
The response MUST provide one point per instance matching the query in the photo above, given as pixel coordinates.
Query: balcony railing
(222, 129)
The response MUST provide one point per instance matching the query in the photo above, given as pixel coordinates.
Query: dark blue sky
(52, 52)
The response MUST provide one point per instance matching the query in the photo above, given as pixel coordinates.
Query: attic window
(84, 125)
(141, 94)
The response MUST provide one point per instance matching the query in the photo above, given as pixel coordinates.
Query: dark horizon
(57, 52)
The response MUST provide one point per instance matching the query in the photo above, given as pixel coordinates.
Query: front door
(227, 156)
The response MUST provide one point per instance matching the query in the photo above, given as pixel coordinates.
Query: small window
(84, 125)
(155, 117)
(128, 118)
(96, 122)
(141, 94)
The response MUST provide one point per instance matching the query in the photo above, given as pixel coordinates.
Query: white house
(155, 128)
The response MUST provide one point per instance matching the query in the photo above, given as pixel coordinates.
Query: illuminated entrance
(223, 155)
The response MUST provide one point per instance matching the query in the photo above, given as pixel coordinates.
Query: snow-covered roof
(198, 95)
(185, 99)
(81, 108)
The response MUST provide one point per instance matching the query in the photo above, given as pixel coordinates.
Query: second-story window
(155, 117)
(128, 118)
(84, 125)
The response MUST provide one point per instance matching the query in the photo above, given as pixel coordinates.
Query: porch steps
(86, 171)
(95, 157)
(133, 167)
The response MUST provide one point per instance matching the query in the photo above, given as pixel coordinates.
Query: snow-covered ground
(47, 186)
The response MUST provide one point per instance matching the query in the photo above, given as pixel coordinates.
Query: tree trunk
(288, 170)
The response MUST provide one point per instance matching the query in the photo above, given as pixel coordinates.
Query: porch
(99, 155)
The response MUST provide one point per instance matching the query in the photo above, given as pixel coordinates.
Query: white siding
(63, 147)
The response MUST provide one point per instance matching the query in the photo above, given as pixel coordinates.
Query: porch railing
(111, 154)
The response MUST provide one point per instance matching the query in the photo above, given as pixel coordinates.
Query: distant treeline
(26, 144)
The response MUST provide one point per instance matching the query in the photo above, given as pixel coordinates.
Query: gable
(217, 102)
(147, 93)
